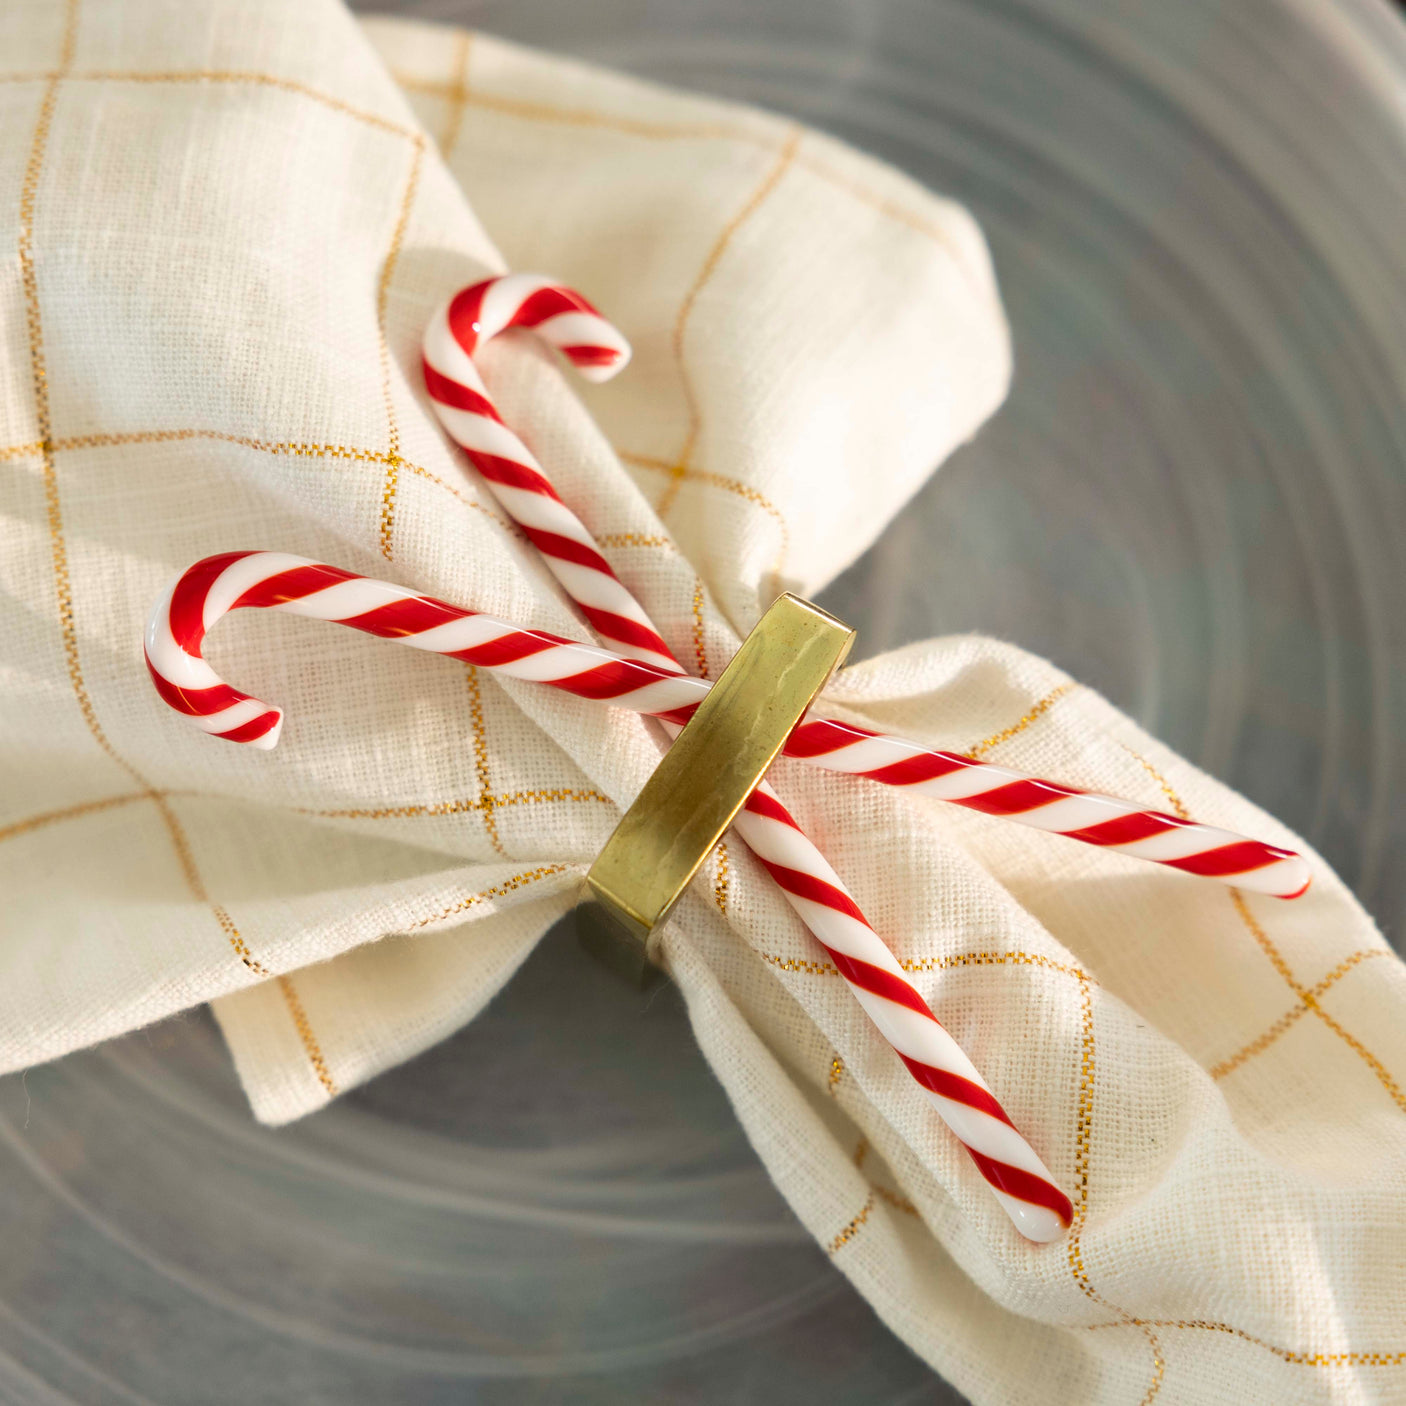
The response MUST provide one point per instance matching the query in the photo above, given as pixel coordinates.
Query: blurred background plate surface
(1192, 502)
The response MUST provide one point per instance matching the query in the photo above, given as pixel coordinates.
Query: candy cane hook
(565, 320)
(197, 599)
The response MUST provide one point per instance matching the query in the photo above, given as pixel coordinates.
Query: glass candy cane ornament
(278, 581)
(565, 320)
(197, 599)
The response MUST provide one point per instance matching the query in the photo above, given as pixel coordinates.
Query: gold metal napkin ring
(717, 761)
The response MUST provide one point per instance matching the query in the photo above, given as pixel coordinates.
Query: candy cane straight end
(269, 740)
(1295, 877)
(1039, 1223)
(1287, 880)
(610, 362)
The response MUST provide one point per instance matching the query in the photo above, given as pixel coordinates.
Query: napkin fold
(227, 225)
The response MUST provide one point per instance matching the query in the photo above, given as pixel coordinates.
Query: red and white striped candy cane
(1009, 1164)
(568, 322)
(517, 480)
(592, 672)
(211, 588)
(1089, 816)
(276, 581)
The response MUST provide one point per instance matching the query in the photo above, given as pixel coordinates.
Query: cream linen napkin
(226, 228)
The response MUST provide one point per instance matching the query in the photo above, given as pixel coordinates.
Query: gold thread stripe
(1308, 998)
(181, 844)
(995, 959)
(53, 817)
(720, 883)
(305, 449)
(1297, 1357)
(1262, 940)
(1259, 1044)
(1286, 1021)
(853, 1228)
(1366, 954)
(70, 38)
(239, 76)
(1037, 710)
(484, 802)
(29, 188)
(1083, 1126)
(1384, 1077)
(634, 539)
(710, 265)
(892, 1198)
(303, 1025)
(889, 1197)
(383, 286)
(455, 91)
(573, 117)
(429, 809)
(924, 964)
(700, 649)
(889, 209)
(458, 93)
(1164, 785)
(518, 881)
(1083, 1144)
(464, 807)
(800, 964)
(720, 481)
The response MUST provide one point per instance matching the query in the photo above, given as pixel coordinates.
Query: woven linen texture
(224, 227)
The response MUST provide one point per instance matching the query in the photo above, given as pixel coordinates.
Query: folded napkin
(228, 227)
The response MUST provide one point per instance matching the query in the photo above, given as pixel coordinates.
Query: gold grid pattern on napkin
(459, 96)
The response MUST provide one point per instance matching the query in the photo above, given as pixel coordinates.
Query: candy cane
(568, 322)
(277, 581)
(1089, 816)
(197, 599)
(186, 682)
(565, 320)
(1008, 1163)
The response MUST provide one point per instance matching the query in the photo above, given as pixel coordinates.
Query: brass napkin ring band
(717, 761)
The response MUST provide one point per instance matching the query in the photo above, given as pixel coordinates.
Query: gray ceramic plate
(1191, 502)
